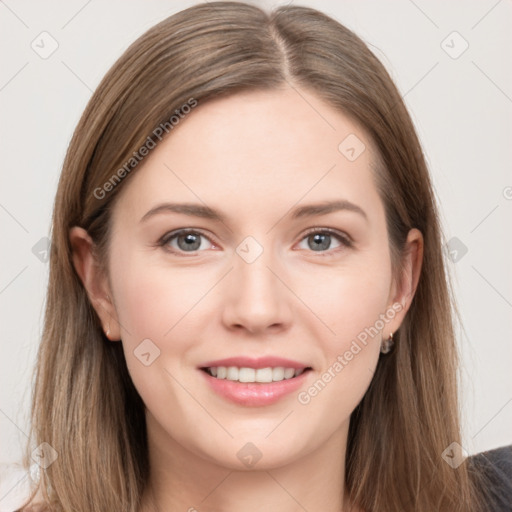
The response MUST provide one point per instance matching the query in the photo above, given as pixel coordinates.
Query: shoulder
(494, 468)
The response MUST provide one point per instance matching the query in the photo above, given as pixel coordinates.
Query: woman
(247, 302)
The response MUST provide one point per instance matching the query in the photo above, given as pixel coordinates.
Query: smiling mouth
(254, 375)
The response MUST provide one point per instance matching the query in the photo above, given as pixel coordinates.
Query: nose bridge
(256, 298)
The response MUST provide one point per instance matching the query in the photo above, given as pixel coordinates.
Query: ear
(405, 285)
(94, 280)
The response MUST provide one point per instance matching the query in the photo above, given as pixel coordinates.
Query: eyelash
(343, 239)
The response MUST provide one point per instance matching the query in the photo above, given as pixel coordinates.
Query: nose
(257, 299)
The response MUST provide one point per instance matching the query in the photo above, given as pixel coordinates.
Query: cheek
(153, 301)
(353, 304)
(357, 307)
(347, 300)
(157, 303)
(350, 355)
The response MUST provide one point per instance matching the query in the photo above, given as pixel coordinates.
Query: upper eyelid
(344, 236)
(171, 234)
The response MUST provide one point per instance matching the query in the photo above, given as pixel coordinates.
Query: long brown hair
(85, 405)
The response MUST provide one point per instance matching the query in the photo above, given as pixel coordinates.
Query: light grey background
(461, 107)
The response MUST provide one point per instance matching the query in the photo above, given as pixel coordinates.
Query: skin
(254, 156)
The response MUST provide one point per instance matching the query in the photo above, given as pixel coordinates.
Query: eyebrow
(205, 212)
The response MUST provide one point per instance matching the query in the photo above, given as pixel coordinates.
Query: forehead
(257, 150)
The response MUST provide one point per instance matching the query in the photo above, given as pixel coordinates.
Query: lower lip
(254, 394)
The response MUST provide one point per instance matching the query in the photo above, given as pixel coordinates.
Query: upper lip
(255, 362)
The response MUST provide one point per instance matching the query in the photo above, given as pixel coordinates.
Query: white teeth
(289, 373)
(278, 373)
(254, 375)
(246, 375)
(232, 373)
(263, 375)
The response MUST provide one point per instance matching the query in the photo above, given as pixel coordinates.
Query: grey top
(497, 468)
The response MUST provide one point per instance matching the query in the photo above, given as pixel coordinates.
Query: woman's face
(250, 286)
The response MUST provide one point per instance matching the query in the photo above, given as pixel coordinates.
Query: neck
(181, 480)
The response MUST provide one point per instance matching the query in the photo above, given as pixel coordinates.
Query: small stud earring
(387, 345)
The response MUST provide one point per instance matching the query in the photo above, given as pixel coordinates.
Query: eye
(320, 240)
(190, 241)
(185, 240)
